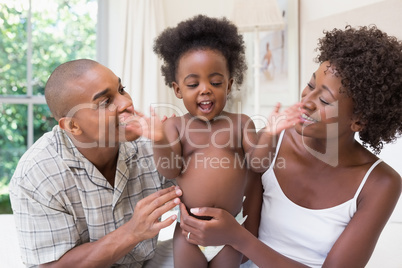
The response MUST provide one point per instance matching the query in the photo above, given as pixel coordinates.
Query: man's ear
(69, 125)
(177, 90)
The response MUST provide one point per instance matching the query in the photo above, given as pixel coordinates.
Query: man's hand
(145, 222)
(143, 225)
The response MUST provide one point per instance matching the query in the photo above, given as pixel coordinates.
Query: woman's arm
(375, 204)
(253, 202)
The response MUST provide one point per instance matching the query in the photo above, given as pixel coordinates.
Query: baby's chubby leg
(185, 254)
(227, 257)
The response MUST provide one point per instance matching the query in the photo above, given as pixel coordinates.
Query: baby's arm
(167, 151)
(261, 154)
(166, 143)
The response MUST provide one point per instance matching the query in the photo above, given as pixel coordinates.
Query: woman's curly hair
(369, 63)
(197, 33)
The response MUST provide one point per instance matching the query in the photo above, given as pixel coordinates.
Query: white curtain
(132, 27)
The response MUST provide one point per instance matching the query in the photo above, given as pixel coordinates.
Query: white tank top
(302, 234)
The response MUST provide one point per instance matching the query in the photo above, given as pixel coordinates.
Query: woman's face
(328, 109)
(203, 83)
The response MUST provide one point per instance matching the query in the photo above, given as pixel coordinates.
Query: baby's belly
(214, 179)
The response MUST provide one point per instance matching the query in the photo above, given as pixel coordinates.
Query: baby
(207, 150)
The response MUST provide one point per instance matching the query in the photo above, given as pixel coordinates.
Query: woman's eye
(121, 90)
(324, 101)
(310, 86)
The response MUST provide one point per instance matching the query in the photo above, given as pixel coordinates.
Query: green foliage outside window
(61, 31)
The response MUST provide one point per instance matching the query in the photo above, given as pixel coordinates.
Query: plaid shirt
(60, 200)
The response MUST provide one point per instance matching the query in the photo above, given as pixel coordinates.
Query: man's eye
(310, 86)
(121, 90)
(104, 102)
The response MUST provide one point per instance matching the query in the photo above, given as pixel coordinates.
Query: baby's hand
(148, 127)
(278, 121)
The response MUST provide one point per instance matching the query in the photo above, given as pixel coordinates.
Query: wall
(178, 10)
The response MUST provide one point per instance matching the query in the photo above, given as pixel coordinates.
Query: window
(35, 37)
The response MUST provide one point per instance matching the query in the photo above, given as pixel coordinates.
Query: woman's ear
(356, 125)
(177, 90)
(68, 124)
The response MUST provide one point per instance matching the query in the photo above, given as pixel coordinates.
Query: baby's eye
(192, 85)
(216, 84)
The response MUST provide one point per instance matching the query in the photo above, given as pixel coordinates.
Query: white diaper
(211, 251)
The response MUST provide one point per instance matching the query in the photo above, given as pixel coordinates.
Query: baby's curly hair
(197, 33)
(369, 63)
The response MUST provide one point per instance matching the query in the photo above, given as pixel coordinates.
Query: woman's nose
(307, 100)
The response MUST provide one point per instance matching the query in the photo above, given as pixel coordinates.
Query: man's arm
(143, 225)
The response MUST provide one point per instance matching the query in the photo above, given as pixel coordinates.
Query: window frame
(30, 99)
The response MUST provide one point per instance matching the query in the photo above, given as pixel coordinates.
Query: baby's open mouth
(206, 106)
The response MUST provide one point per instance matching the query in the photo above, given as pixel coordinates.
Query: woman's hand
(217, 231)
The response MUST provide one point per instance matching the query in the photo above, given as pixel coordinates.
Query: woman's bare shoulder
(385, 175)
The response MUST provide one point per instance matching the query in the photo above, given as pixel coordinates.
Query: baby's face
(203, 83)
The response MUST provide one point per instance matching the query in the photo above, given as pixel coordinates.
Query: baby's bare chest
(226, 136)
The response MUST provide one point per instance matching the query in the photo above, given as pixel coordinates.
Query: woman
(329, 199)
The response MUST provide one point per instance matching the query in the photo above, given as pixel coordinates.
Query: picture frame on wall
(279, 55)
(278, 63)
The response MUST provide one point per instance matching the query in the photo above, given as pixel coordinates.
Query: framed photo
(278, 62)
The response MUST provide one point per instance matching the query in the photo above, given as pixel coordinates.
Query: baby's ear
(177, 90)
(69, 125)
(230, 84)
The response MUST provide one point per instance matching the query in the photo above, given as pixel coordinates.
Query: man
(83, 195)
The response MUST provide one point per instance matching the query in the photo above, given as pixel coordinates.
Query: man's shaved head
(61, 82)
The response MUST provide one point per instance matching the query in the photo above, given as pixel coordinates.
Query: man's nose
(124, 102)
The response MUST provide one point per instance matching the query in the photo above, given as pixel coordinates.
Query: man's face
(99, 101)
